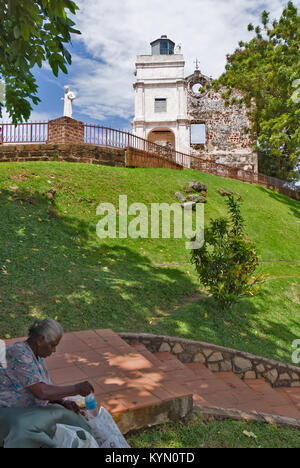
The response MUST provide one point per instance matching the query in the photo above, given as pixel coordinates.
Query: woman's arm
(43, 391)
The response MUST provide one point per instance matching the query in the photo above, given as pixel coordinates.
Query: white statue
(69, 97)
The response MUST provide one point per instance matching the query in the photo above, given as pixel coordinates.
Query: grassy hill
(58, 267)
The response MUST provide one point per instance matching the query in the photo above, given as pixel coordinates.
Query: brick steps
(130, 377)
(142, 389)
(291, 394)
(227, 390)
(279, 404)
(129, 382)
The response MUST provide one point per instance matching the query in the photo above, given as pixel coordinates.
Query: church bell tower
(161, 97)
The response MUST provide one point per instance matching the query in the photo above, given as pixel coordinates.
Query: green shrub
(227, 260)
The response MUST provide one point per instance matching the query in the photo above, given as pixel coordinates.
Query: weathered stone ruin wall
(227, 139)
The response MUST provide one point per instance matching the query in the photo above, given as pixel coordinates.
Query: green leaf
(25, 31)
(17, 32)
(63, 68)
(35, 30)
(250, 434)
(262, 69)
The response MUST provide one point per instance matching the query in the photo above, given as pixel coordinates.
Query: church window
(160, 105)
(198, 134)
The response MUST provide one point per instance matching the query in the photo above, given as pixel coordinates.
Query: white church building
(160, 97)
(184, 113)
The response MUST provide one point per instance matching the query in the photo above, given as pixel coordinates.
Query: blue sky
(114, 32)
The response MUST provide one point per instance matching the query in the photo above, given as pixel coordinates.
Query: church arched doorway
(163, 137)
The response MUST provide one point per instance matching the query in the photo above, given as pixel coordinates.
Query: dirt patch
(188, 300)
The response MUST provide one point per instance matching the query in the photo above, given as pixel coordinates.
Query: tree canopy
(267, 70)
(31, 32)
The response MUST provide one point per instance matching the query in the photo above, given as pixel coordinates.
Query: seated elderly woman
(32, 409)
(25, 382)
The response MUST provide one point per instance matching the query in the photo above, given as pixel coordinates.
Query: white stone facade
(162, 77)
(167, 104)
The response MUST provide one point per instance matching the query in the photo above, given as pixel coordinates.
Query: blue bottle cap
(90, 402)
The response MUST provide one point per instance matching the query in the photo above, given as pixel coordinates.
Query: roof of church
(165, 38)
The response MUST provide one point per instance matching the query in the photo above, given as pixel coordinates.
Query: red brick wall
(84, 154)
(134, 158)
(71, 153)
(65, 130)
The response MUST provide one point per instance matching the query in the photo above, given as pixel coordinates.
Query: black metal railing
(37, 132)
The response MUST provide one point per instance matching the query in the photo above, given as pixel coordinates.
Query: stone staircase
(143, 389)
(226, 389)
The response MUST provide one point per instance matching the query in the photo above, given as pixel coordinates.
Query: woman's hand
(43, 391)
(71, 405)
(84, 388)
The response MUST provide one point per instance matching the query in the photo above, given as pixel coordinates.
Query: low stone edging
(209, 413)
(220, 359)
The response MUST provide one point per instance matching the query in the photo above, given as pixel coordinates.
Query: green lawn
(58, 267)
(193, 433)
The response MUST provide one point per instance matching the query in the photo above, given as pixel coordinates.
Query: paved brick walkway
(122, 377)
(140, 388)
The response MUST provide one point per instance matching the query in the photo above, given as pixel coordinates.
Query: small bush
(227, 261)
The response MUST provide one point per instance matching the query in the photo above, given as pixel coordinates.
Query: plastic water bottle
(91, 405)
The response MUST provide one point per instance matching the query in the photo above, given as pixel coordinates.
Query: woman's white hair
(50, 329)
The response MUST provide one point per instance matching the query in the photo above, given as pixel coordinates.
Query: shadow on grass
(248, 326)
(57, 267)
(294, 205)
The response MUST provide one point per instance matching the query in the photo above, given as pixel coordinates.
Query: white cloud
(5, 116)
(114, 32)
(35, 116)
(101, 89)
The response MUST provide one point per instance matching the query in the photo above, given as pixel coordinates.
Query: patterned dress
(22, 370)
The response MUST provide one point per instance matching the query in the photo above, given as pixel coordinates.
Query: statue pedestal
(65, 130)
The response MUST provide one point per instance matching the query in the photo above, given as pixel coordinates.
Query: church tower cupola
(162, 46)
(160, 109)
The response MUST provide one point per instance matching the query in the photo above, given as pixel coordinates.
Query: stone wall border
(220, 359)
(85, 153)
(219, 414)
(76, 153)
